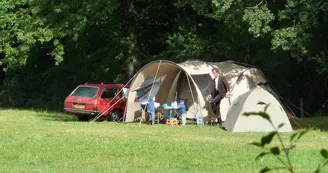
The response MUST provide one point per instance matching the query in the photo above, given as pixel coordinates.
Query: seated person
(183, 111)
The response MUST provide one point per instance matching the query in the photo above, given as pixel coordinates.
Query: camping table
(172, 109)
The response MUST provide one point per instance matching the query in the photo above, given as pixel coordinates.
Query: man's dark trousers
(215, 103)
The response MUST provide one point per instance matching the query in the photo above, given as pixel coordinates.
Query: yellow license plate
(79, 106)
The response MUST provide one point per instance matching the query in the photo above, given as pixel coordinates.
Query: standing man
(221, 90)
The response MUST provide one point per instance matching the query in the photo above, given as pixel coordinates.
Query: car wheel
(115, 115)
(83, 118)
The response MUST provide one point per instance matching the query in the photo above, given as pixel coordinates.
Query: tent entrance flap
(150, 86)
(205, 83)
(172, 94)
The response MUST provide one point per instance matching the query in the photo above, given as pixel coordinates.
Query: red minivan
(90, 99)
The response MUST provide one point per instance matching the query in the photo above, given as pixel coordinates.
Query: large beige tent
(192, 80)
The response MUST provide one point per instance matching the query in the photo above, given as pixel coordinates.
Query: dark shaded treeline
(47, 47)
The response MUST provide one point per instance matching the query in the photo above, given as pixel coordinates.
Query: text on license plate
(79, 106)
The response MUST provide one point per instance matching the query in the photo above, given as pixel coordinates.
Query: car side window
(109, 93)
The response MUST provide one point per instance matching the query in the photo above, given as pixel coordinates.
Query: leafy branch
(276, 151)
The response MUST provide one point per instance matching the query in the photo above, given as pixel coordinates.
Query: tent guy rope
(102, 111)
(159, 64)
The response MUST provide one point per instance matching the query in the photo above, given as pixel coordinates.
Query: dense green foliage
(51, 46)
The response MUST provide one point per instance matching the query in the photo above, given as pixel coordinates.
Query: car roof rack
(99, 83)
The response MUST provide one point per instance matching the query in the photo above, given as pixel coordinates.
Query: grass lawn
(33, 141)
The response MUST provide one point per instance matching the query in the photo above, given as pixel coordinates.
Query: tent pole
(192, 95)
(150, 89)
(174, 88)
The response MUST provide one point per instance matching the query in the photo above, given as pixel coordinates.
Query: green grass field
(33, 141)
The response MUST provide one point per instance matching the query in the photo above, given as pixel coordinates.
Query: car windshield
(85, 91)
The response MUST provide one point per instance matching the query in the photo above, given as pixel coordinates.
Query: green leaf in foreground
(261, 155)
(303, 132)
(281, 125)
(266, 107)
(318, 169)
(261, 114)
(324, 153)
(293, 136)
(257, 144)
(290, 148)
(266, 169)
(268, 138)
(275, 150)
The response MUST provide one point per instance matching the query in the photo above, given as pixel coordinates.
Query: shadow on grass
(56, 116)
(45, 114)
(65, 117)
(314, 123)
